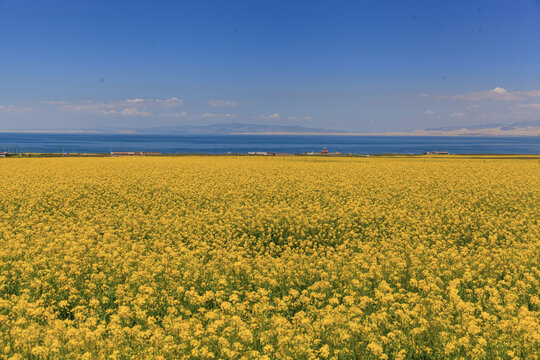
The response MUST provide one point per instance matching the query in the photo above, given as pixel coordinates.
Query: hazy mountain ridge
(524, 128)
(230, 128)
(528, 128)
(513, 126)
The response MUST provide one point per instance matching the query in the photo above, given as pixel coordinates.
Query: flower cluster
(269, 258)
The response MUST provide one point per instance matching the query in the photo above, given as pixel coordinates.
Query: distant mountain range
(231, 128)
(529, 128)
(512, 126)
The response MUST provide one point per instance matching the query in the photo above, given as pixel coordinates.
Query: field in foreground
(270, 258)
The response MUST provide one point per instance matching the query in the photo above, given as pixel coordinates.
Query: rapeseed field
(269, 258)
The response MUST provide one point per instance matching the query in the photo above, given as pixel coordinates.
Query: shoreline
(335, 155)
(465, 133)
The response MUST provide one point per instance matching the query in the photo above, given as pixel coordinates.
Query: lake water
(220, 144)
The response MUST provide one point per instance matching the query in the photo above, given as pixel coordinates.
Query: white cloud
(125, 112)
(521, 112)
(299, 118)
(220, 103)
(457, 115)
(54, 102)
(497, 93)
(90, 105)
(177, 115)
(174, 101)
(86, 106)
(134, 112)
(531, 93)
(107, 112)
(214, 116)
(529, 106)
(498, 90)
(127, 107)
(429, 112)
(14, 109)
(471, 107)
(271, 116)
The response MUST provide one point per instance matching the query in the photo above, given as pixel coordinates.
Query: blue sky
(349, 65)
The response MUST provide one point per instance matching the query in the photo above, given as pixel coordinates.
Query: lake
(220, 144)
